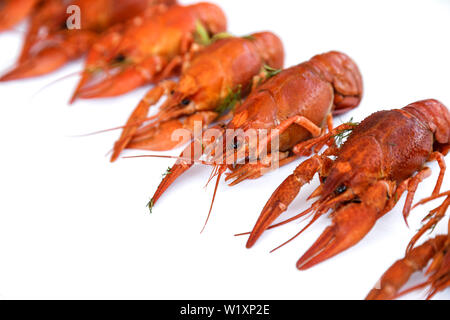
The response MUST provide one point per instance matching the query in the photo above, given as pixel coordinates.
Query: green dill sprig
(429, 218)
(343, 135)
(168, 171)
(249, 37)
(93, 69)
(220, 36)
(433, 227)
(230, 101)
(150, 205)
(202, 37)
(270, 72)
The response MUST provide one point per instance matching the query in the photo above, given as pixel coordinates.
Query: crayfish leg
(439, 158)
(433, 218)
(315, 130)
(413, 183)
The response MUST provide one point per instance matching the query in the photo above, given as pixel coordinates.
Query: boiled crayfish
(211, 84)
(293, 105)
(146, 50)
(50, 43)
(372, 170)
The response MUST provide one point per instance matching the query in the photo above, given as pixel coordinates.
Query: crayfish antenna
(220, 170)
(55, 82)
(313, 220)
(282, 223)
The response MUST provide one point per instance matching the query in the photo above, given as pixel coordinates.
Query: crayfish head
(182, 100)
(233, 147)
(345, 178)
(357, 167)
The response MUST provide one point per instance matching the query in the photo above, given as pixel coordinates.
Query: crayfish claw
(283, 197)
(351, 224)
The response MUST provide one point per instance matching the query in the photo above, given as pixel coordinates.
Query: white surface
(74, 226)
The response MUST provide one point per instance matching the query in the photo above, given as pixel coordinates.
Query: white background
(72, 225)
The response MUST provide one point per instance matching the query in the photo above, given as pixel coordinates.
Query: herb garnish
(270, 72)
(230, 101)
(150, 205)
(342, 136)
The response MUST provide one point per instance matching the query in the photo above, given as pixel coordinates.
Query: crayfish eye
(120, 58)
(185, 102)
(341, 189)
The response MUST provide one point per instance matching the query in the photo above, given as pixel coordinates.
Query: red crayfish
(372, 170)
(210, 85)
(146, 50)
(50, 43)
(293, 105)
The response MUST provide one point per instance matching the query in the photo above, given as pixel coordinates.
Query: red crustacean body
(436, 251)
(14, 11)
(50, 43)
(293, 105)
(372, 169)
(227, 67)
(146, 50)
